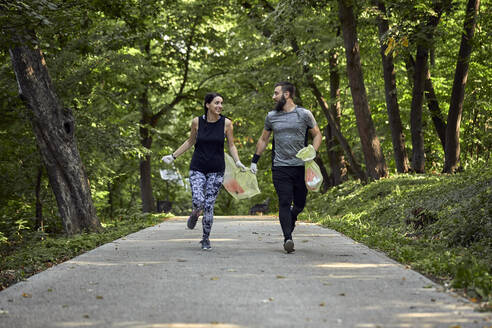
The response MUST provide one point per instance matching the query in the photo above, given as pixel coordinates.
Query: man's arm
(317, 137)
(260, 148)
(263, 142)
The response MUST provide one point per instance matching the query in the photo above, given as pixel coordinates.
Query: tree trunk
(337, 160)
(53, 127)
(419, 77)
(432, 103)
(324, 173)
(434, 109)
(421, 66)
(373, 155)
(39, 205)
(145, 165)
(336, 129)
(397, 135)
(452, 152)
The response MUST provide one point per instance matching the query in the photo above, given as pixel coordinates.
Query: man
(289, 124)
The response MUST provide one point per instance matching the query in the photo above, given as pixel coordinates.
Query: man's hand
(253, 168)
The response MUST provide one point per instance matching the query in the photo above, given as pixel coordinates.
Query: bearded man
(290, 124)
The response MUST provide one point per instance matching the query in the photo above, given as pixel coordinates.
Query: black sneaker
(206, 244)
(289, 246)
(192, 219)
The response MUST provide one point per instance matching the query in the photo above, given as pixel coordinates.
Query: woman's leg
(212, 187)
(197, 183)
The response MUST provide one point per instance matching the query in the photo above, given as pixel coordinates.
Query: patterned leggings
(204, 191)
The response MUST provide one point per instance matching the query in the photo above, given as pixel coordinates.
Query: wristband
(255, 159)
(172, 154)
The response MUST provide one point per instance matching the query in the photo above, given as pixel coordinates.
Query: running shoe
(206, 244)
(289, 246)
(192, 219)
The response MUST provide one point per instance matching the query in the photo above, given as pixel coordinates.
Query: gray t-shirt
(289, 130)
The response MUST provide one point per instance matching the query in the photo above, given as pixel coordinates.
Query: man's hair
(287, 86)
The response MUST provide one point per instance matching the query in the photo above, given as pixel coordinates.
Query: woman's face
(215, 106)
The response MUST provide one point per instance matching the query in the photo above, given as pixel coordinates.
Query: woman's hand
(168, 159)
(240, 165)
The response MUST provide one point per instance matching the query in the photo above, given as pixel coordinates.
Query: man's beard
(279, 106)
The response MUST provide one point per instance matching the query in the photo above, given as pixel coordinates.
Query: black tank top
(208, 156)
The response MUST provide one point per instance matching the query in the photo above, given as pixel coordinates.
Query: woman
(207, 164)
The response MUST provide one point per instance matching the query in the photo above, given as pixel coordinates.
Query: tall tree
(389, 74)
(424, 39)
(431, 97)
(54, 128)
(373, 155)
(452, 150)
(335, 154)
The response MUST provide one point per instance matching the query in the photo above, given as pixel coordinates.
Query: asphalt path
(159, 278)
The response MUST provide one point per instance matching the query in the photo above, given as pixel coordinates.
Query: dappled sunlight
(342, 265)
(318, 235)
(358, 277)
(441, 317)
(139, 324)
(115, 264)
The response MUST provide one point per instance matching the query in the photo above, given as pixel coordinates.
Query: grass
(34, 252)
(439, 225)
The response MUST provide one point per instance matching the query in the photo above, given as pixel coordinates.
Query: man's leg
(300, 194)
(285, 190)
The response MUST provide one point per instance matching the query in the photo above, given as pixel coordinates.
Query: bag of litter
(312, 176)
(239, 184)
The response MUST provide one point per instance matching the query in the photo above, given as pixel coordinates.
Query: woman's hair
(208, 99)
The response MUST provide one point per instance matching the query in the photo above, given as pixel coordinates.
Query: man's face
(279, 98)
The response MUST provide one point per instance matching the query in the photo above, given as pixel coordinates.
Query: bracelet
(172, 154)
(255, 159)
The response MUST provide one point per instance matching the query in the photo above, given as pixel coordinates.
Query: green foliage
(440, 225)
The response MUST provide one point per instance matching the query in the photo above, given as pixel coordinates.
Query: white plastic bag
(312, 176)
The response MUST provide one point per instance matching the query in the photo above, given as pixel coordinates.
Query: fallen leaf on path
(214, 278)
(231, 270)
(305, 241)
(428, 286)
(342, 294)
(3, 312)
(280, 277)
(86, 316)
(50, 290)
(322, 304)
(99, 297)
(181, 260)
(26, 295)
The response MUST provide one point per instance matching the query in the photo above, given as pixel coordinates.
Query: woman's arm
(190, 141)
(230, 139)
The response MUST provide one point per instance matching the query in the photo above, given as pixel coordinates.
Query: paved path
(159, 278)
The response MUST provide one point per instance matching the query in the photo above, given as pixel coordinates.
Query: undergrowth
(439, 225)
(36, 251)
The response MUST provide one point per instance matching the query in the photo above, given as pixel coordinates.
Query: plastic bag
(307, 153)
(239, 184)
(312, 176)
